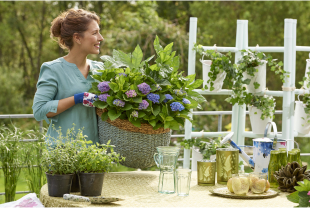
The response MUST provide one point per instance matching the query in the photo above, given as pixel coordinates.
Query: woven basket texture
(128, 126)
(138, 148)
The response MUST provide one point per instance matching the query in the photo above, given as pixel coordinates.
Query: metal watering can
(262, 148)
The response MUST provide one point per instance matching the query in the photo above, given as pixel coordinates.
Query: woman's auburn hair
(69, 22)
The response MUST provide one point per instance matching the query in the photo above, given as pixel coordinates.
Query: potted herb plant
(93, 161)
(140, 102)
(216, 69)
(261, 111)
(59, 160)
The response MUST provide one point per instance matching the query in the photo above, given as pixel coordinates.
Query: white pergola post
(191, 70)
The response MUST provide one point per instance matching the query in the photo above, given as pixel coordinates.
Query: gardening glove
(86, 98)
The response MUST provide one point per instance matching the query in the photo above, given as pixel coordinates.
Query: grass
(21, 186)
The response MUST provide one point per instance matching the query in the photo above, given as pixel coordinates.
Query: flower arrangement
(132, 89)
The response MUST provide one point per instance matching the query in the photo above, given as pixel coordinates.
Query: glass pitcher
(166, 160)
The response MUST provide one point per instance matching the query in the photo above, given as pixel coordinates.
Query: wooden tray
(223, 192)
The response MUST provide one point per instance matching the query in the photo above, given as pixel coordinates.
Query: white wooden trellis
(238, 112)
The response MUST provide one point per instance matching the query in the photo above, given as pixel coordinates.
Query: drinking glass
(240, 183)
(183, 181)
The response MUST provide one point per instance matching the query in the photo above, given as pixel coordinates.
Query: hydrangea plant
(156, 94)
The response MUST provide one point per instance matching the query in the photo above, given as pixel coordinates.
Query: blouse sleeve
(43, 101)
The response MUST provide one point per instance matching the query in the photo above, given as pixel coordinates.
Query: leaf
(100, 104)
(169, 118)
(136, 123)
(113, 114)
(141, 114)
(156, 109)
(196, 84)
(114, 86)
(137, 99)
(153, 123)
(137, 56)
(110, 100)
(127, 106)
(122, 57)
(157, 46)
(293, 197)
(174, 125)
(304, 199)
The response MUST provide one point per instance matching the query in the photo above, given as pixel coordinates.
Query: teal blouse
(60, 79)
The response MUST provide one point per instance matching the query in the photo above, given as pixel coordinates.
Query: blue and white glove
(86, 98)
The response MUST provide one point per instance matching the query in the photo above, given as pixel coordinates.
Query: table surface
(140, 189)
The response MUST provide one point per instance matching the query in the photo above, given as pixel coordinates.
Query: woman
(62, 82)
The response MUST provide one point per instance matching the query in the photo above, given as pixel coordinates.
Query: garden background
(25, 44)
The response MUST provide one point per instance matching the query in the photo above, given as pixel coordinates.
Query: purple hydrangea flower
(179, 92)
(153, 97)
(186, 101)
(135, 114)
(131, 93)
(104, 86)
(168, 97)
(119, 102)
(144, 88)
(122, 74)
(176, 106)
(104, 97)
(157, 86)
(143, 105)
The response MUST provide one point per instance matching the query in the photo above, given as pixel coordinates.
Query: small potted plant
(261, 111)
(93, 161)
(216, 69)
(59, 160)
(202, 150)
(253, 66)
(302, 109)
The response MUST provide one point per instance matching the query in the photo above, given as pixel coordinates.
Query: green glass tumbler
(292, 156)
(282, 158)
(298, 159)
(273, 166)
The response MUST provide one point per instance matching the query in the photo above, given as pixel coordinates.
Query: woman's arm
(63, 105)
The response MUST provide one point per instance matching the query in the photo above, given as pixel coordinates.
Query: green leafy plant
(34, 174)
(302, 195)
(205, 148)
(10, 158)
(60, 155)
(96, 158)
(220, 63)
(264, 103)
(132, 89)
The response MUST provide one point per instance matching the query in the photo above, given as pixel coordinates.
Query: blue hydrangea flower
(168, 97)
(104, 97)
(176, 106)
(131, 93)
(104, 86)
(119, 103)
(265, 148)
(144, 88)
(265, 170)
(157, 86)
(153, 97)
(135, 114)
(180, 92)
(143, 105)
(186, 101)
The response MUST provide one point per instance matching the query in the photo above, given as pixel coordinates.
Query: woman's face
(90, 42)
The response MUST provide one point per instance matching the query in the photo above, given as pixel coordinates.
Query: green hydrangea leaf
(113, 114)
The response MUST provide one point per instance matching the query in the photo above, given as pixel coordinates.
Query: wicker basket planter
(138, 145)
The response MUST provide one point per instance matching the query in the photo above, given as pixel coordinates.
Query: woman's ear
(77, 38)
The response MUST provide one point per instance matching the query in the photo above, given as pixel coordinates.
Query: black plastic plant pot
(75, 187)
(58, 185)
(91, 183)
